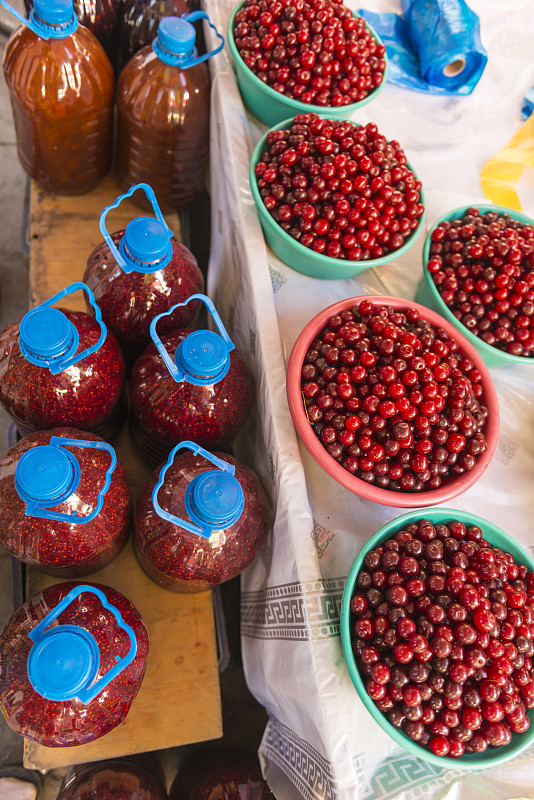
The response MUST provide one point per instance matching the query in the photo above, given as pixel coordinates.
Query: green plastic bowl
(304, 259)
(428, 295)
(270, 106)
(496, 536)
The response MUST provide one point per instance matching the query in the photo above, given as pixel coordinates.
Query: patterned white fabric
(320, 741)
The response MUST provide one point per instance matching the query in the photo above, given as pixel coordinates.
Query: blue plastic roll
(433, 47)
(528, 104)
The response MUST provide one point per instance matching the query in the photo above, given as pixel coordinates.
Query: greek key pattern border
(293, 611)
(307, 769)
(403, 772)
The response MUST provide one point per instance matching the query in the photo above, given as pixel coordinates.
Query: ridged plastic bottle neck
(175, 42)
(215, 498)
(47, 474)
(55, 18)
(46, 334)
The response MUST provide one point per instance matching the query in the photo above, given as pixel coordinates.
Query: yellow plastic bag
(501, 174)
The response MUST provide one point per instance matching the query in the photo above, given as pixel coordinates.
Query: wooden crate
(179, 700)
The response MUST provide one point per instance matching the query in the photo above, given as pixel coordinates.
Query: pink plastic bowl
(386, 496)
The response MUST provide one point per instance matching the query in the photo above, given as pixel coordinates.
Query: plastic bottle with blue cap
(140, 272)
(60, 367)
(73, 658)
(64, 502)
(200, 521)
(163, 104)
(63, 125)
(190, 384)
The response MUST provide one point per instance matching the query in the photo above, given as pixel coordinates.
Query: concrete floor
(244, 719)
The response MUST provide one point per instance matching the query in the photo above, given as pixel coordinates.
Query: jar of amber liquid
(163, 97)
(61, 87)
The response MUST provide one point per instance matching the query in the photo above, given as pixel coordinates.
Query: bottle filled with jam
(72, 659)
(61, 88)
(163, 102)
(140, 272)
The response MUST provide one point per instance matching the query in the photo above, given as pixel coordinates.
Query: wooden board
(64, 231)
(179, 700)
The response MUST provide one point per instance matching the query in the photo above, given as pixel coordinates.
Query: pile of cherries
(392, 399)
(483, 268)
(312, 50)
(443, 635)
(339, 188)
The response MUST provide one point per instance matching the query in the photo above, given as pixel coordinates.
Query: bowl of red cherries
(293, 56)
(478, 272)
(392, 401)
(437, 628)
(335, 198)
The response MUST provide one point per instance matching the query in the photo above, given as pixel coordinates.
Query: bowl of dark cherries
(392, 401)
(437, 628)
(295, 56)
(335, 198)
(478, 272)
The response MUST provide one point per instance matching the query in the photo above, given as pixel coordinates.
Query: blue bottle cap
(146, 240)
(46, 332)
(176, 36)
(64, 661)
(216, 498)
(44, 473)
(202, 354)
(54, 12)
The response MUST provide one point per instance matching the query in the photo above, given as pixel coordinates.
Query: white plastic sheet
(320, 741)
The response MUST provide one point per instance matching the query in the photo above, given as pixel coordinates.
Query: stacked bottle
(72, 660)
(64, 502)
(61, 88)
(140, 272)
(163, 99)
(204, 392)
(62, 368)
(196, 526)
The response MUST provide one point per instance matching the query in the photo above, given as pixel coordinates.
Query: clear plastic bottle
(139, 273)
(62, 368)
(203, 392)
(72, 660)
(163, 106)
(61, 87)
(120, 779)
(64, 502)
(196, 526)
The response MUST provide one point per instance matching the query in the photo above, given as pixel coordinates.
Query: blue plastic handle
(176, 373)
(57, 365)
(41, 509)
(204, 531)
(39, 633)
(123, 264)
(199, 59)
